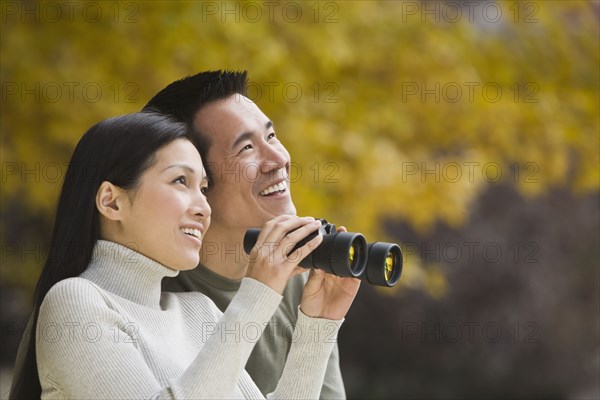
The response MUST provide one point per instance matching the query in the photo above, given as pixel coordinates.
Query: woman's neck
(127, 273)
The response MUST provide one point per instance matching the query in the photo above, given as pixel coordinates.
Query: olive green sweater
(111, 333)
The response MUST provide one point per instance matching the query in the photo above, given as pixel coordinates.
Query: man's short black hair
(182, 99)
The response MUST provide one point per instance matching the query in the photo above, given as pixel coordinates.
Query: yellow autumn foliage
(392, 110)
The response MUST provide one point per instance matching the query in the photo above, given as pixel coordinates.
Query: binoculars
(347, 254)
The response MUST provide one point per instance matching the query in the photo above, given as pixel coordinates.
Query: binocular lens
(389, 267)
(384, 264)
(355, 255)
(340, 253)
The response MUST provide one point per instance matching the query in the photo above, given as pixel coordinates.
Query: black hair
(117, 150)
(182, 99)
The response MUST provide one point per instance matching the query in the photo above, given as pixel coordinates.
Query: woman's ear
(109, 199)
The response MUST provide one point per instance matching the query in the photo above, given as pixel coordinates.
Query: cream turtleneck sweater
(110, 333)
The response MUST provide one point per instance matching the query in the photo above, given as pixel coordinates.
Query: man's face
(249, 166)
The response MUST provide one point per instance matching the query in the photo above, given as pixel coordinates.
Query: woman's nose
(200, 206)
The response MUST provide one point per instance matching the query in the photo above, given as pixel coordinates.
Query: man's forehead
(231, 117)
(235, 103)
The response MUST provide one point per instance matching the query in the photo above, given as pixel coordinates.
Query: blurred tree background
(466, 131)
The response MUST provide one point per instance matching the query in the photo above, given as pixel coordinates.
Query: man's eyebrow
(241, 138)
(249, 134)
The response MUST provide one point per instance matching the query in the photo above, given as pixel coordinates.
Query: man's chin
(291, 210)
(283, 208)
(275, 213)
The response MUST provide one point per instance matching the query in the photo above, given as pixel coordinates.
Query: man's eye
(246, 147)
(204, 190)
(271, 135)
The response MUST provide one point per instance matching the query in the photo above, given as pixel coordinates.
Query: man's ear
(109, 201)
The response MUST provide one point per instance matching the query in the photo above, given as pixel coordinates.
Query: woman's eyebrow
(182, 166)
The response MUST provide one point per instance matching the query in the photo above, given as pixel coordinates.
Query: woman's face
(168, 214)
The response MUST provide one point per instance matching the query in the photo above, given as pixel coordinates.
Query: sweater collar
(127, 273)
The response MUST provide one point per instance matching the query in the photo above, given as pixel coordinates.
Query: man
(248, 170)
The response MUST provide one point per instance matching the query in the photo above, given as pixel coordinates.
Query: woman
(132, 211)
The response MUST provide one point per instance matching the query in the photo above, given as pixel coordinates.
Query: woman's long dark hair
(117, 150)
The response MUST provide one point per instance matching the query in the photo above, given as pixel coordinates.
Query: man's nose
(273, 159)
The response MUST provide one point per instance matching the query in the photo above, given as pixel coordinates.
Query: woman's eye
(271, 135)
(204, 190)
(181, 179)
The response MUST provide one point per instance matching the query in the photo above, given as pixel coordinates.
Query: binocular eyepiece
(347, 254)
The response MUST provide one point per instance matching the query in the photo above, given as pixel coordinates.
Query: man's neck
(223, 252)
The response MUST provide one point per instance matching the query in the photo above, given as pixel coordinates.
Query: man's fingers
(278, 228)
(299, 254)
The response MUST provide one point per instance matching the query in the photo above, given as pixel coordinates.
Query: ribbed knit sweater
(111, 333)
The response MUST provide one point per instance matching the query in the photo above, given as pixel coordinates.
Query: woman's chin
(190, 264)
(182, 264)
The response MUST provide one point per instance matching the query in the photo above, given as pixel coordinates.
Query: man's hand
(269, 259)
(328, 296)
